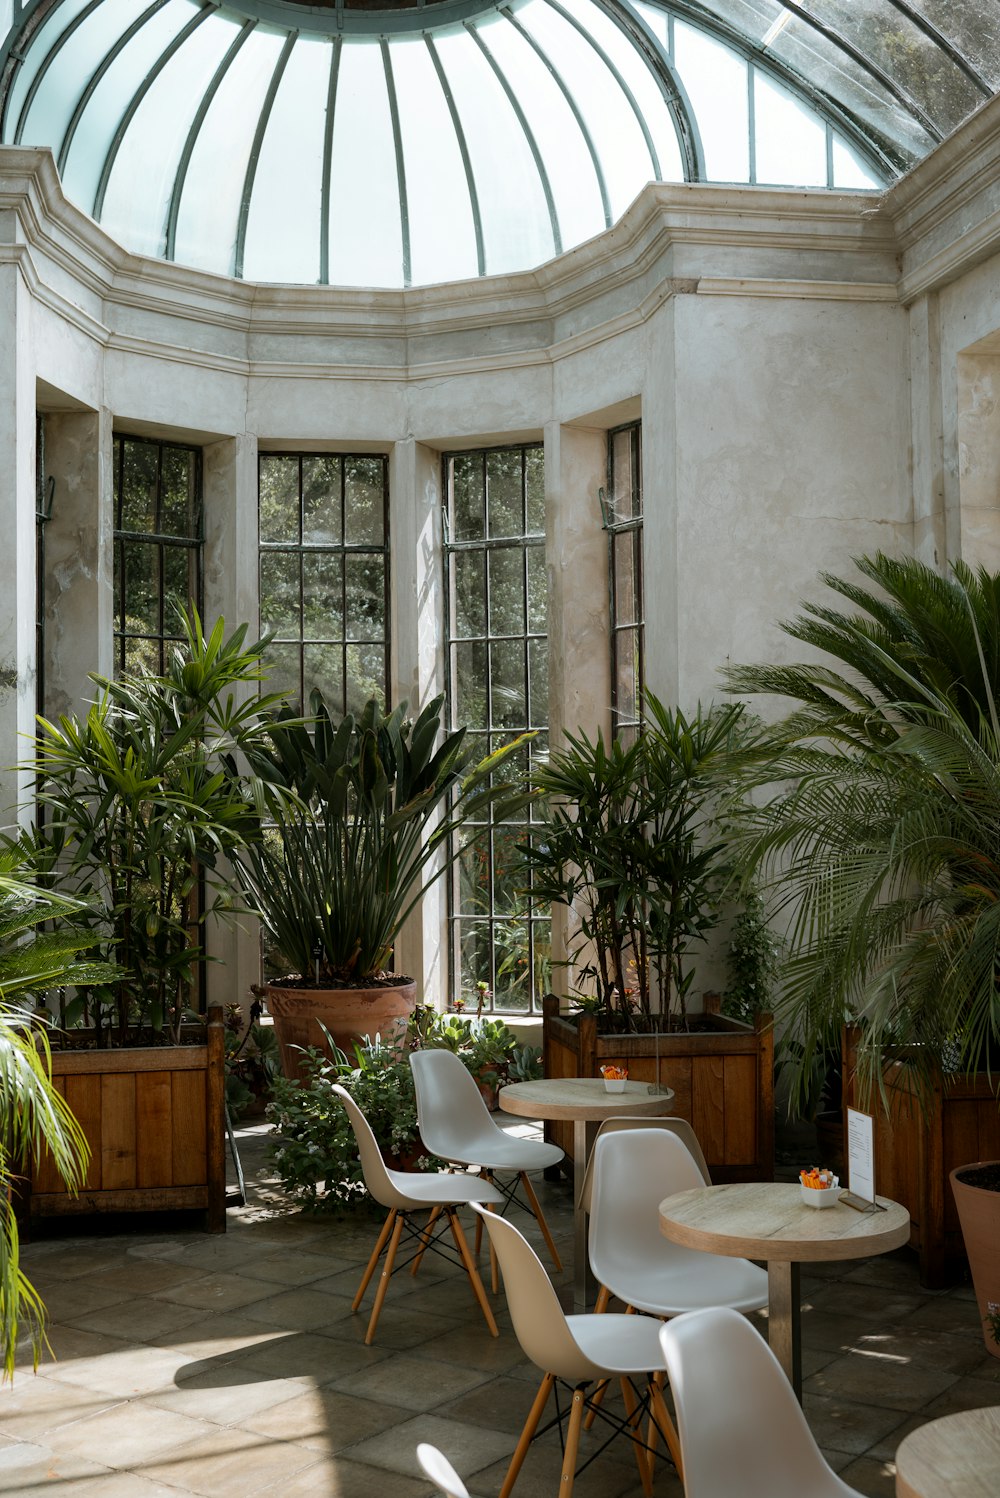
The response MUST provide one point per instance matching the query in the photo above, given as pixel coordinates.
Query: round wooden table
(582, 1101)
(957, 1456)
(769, 1221)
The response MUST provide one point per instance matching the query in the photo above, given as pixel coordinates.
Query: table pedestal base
(784, 1317)
(584, 1284)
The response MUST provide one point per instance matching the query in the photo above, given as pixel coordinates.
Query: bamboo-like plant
(365, 816)
(34, 1116)
(880, 835)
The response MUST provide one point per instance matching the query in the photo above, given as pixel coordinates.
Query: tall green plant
(627, 843)
(140, 799)
(34, 1116)
(367, 814)
(880, 833)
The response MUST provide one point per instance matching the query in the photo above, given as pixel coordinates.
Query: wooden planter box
(722, 1078)
(155, 1121)
(916, 1150)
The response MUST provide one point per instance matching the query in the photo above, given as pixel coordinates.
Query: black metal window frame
(502, 929)
(625, 529)
(162, 542)
(343, 549)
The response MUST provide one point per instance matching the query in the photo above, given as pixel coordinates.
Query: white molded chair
(455, 1124)
(440, 1471)
(743, 1434)
(634, 1170)
(405, 1192)
(678, 1126)
(580, 1352)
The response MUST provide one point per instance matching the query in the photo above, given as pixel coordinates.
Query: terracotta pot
(979, 1214)
(348, 1014)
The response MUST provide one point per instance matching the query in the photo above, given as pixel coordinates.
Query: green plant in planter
(753, 961)
(253, 1060)
(367, 814)
(141, 801)
(315, 1151)
(628, 843)
(34, 1113)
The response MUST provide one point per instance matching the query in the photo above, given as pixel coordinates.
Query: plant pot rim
(295, 982)
(962, 1170)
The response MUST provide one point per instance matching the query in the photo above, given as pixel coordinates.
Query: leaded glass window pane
(623, 518)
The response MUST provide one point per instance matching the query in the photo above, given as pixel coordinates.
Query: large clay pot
(348, 1014)
(979, 1213)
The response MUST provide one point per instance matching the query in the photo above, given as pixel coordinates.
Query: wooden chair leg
(471, 1270)
(529, 1192)
(572, 1444)
(530, 1426)
(595, 1402)
(658, 1406)
(425, 1237)
(653, 1430)
(487, 1176)
(376, 1254)
(383, 1283)
(603, 1298)
(633, 1417)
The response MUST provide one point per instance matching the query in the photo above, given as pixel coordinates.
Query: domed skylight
(372, 147)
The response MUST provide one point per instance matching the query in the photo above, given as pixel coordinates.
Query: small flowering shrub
(992, 1319)
(314, 1148)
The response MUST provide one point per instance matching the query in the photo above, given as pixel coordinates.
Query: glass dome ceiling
(404, 142)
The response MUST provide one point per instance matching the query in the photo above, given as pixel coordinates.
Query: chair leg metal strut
(428, 1235)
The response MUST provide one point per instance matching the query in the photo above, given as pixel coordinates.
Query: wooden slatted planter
(722, 1077)
(155, 1120)
(917, 1149)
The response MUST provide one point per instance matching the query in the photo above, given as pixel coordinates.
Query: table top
(582, 1098)
(957, 1456)
(769, 1220)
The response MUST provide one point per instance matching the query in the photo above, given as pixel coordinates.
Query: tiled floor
(232, 1365)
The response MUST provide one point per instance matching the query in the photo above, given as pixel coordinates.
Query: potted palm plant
(361, 818)
(878, 833)
(629, 843)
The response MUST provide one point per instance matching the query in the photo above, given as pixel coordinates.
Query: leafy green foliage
(368, 814)
(628, 843)
(880, 833)
(139, 796)
(753, 961)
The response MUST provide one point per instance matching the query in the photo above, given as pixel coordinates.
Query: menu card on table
(860, 1162)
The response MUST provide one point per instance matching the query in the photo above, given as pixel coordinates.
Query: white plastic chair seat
(413, 1190)
(687, 1281)
(616, 1344)
(502, 1151)
(456, 1125)
(743, 1434)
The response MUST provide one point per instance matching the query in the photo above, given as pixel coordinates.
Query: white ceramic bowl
(812, 1197)
(614, 1084)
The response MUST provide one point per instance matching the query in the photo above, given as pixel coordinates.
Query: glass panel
(468, 492)
(563, 148)
(282, 665)
(507, 684)
(66, 79)
(469, 684)
(790, 140)
(534, 478)
(623, 497)
(848, 168)
(55, 23)
(613, 126)
(626, 683)
(321, 501)
(506, 569)
(279, 594)
(365, 675)
(963, 24)
(364, 501)
(160, 121)
(504, 493)
(716, 82)
(538, 682)
(473, 879)
(323, 667)
(179, 586)
(279, 499)
(625, 603)
(366, 244)
(322, 596)
(142, 588)
(177, 492)
(442, 245)
(138, 493)
(470, 594)
(210, 204)
(283, 225)
(476, 960)
(646, 91)
(365, 576)
(142, 655)
(538, 590)
(516, 227)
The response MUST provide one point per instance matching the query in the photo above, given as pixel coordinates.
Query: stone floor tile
(70, 1299)
(226, 1393)
(230, 1463)
(349, 1480)
(325, 1420)
(873, 1478)
(468, 1347)
(304, 1354)
(963, 1394)
(223, 1335)
(26, 1468)
(305, 1309)
(33, 1407)
(128, 1435)
(872, 1303)
(128, 1373)
(67, 1343)
(888, 1381)
(410, 1382)
(501, 1404)
(301, 1268)
(219, 1292)
(400, 1326)
(841, 1425)
(143, 1277)
(143, 1319)
(470, 1448)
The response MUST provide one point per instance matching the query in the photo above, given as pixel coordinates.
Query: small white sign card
(860, 1162)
